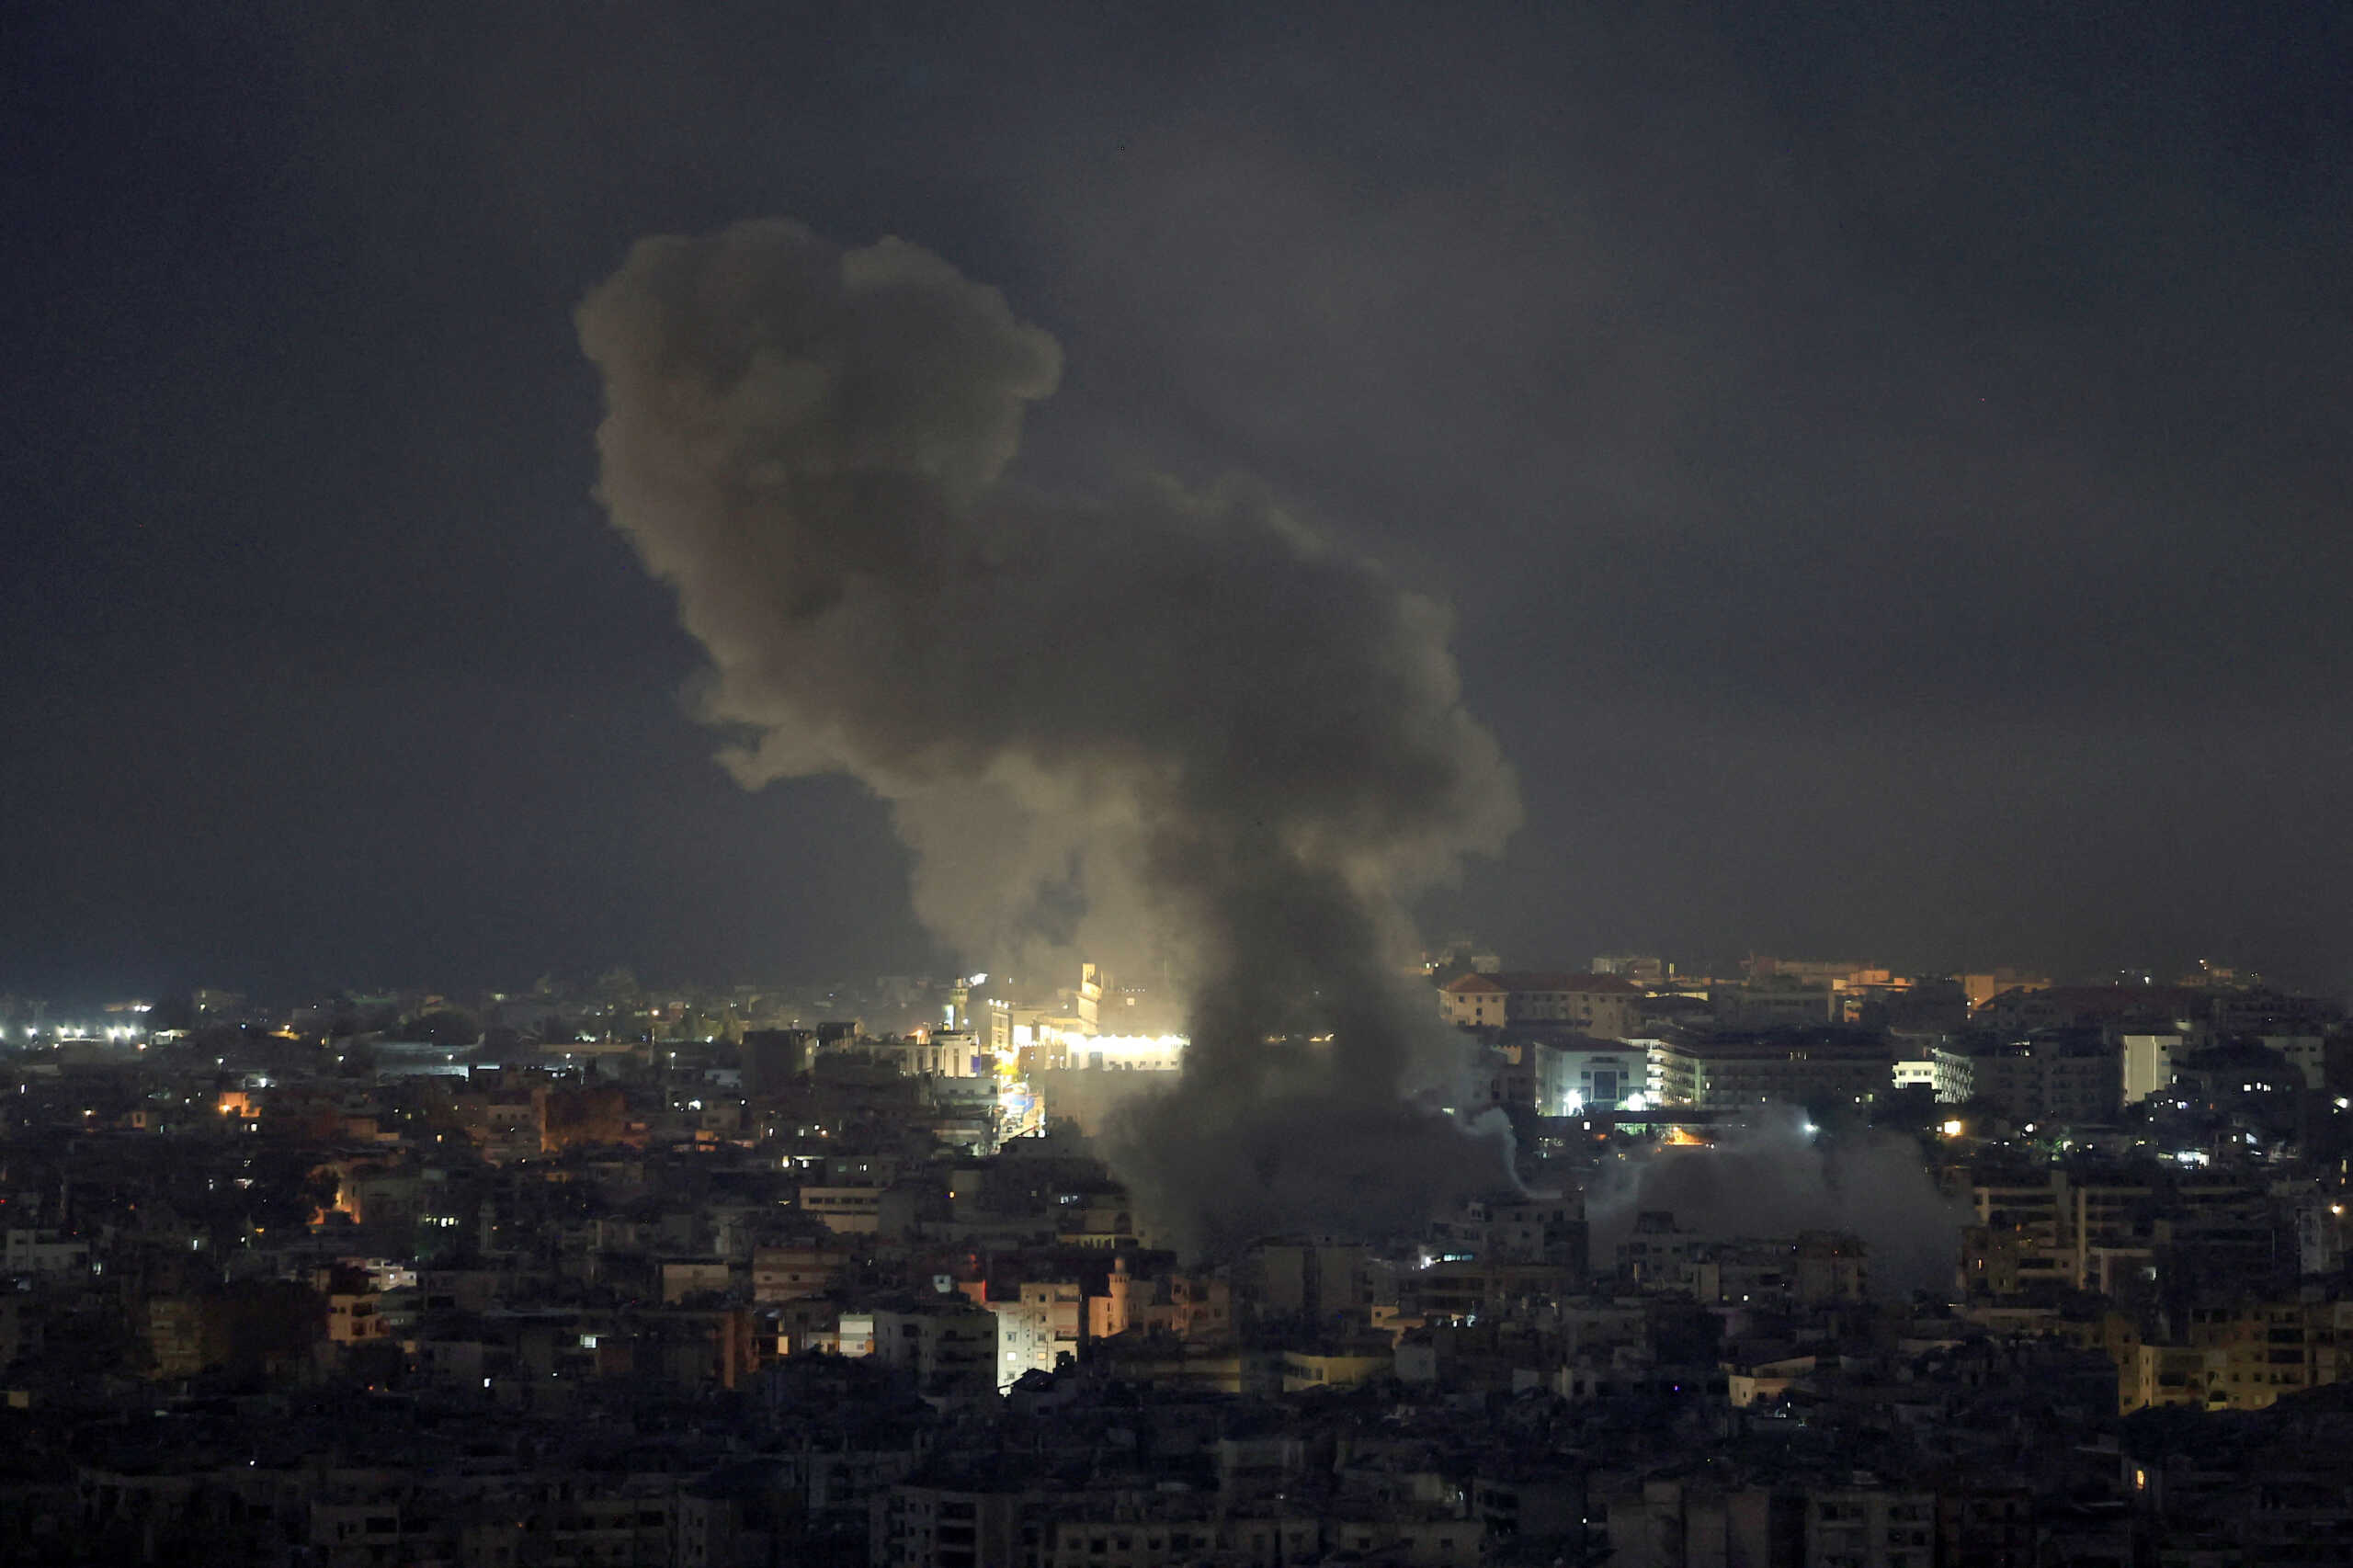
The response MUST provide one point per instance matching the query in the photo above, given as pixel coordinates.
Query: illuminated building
(2148, 1063)
(1603, 1006)
(1727, 1074)
(1576, 1072)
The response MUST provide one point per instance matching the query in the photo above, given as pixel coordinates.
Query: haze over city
(1885, 473)
(1091, 786)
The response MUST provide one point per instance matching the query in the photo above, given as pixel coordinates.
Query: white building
(1581, 1074)
(1037, 1330)
(945, 1053)
(1948, 1075)
(2149, 1061)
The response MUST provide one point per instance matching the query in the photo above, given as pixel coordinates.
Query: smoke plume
(1164, 723)
(1771, 1177)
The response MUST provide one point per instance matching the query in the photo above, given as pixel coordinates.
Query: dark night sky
(1890, 463)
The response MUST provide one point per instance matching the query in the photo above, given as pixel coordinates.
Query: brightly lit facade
(1579, 1074)
(981, 1035)
(1117, 1052)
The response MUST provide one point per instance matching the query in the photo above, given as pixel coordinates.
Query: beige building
(949, 1345)
(845, 1211)
(2238, 1357)
(685, 1277)
(1764, 1381)
(1606, 1007)
(2081, 1235)
(795, 1273)
(352, 1319)
(2148, 1063)
(1340, 1367)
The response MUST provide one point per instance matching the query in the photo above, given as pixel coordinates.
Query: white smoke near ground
(1772, 1175)
(1166, 722)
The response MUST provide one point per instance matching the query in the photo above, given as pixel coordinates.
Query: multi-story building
(686, 1277)
(1657, 1258)
(1725, 1073)
(2147, 1061)
(2245, 1356)
(2320, 1230)
(2258, 1351)
(1985, 1522)
(949, 1345)
(2074, 1232)
(848, 1210)
(1121, 1530)
(1338, 1366)
(2070, 1077)
(1776, 1002)
(353, 1319)
(2305, 1051)
(1309, 1277)
(2115, 1008)
(1603, 1006)
(1039, 1328)
(1576, 1072)
(1517, 1229)
(1673, 1523)
(28, 1251)
(946, 1053)
(795, 1273)
(773, 1060)
(1831, 1266)
(1643, 969)
(939, 1527)
(1868, 1526)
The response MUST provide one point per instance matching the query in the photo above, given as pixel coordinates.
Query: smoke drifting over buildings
(1165, 721)
(1771, 1177)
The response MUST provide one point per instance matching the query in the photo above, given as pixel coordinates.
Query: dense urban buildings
(1813, 1264)
(1058, 543)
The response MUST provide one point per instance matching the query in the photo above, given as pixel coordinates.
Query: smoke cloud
(1173, 728)
(1771, 1177)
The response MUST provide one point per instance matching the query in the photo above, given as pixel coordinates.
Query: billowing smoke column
(1159, 719)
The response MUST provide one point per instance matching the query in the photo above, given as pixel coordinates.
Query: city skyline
(1034, 785)
(125, 989)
